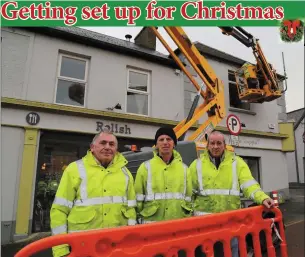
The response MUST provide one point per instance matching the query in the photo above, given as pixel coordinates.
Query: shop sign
(113, 127)
(32, 118)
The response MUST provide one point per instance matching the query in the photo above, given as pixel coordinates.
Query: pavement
(293, 210)
(295, 239)
(293, 214)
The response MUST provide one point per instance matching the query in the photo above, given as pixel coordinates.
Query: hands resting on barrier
(268, 203)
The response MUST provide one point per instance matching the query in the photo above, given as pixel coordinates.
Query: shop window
(233, 94)
(138, 90)
(71, 80)
(56, 152)
(53, 160)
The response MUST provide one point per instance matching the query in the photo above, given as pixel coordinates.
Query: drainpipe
(296, 158)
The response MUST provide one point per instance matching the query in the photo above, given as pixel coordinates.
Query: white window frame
(58, 76)
(148, 92)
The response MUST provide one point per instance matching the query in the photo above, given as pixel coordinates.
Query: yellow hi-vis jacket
(163, 190)
(249, 70)
(218, 190)
(91, 197)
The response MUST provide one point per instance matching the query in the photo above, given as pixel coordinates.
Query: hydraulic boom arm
(213, 95)
(212, 88)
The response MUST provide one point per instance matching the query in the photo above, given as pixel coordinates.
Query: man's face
(165, 144)
(104, 148)
(216, 145)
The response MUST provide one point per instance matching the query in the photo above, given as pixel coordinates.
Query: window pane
(138, 81)
(231, 77)
(53, 159)
(253, 164)
(70, 93)
(73, 68)
(234, 99)
(137, 103)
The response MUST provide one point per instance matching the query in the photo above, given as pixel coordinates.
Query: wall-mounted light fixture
(117, 107)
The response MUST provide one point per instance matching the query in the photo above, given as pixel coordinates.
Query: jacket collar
(213, 159)
(226, 155)
(175, 156)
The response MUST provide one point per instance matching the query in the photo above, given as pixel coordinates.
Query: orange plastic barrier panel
(168, 237)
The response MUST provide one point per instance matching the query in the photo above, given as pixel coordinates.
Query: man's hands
(268, 203)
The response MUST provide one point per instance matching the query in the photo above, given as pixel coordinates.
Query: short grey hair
(216, 132)
(104, 131)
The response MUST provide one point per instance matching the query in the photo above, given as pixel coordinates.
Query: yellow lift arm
(212, 89)
(214, 102)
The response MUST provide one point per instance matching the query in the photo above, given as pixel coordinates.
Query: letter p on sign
(233, 124)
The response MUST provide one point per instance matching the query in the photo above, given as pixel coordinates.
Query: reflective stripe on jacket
(91, 197)
(163, 190)
(218, 190)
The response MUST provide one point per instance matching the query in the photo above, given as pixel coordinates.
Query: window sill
(137, 114)
(233, 109)
(70, 105)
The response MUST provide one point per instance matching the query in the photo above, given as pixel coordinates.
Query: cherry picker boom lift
(269, 89)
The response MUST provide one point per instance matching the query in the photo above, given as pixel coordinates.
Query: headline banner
(149, 13)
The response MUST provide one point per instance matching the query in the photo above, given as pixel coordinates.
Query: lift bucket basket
(166, 238)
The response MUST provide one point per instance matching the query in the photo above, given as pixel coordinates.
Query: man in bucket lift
(250, 75)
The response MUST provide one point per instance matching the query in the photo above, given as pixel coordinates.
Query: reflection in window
(53, 159)
(70, 93)
(137, 92)
(137, 81)
(137, 103)
(72, 80)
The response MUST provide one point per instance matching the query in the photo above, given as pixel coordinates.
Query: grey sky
(269, 41)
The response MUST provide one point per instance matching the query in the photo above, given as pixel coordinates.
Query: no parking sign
(233, 125)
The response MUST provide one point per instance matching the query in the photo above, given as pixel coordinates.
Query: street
(295, 239)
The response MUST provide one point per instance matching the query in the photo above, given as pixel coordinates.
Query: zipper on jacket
(164, 186)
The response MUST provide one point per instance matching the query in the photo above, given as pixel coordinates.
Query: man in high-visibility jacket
(95, 192)
(217, 177)
(250, 75)
(163, 184)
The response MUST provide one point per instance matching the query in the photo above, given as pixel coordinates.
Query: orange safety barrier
(166, 238)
